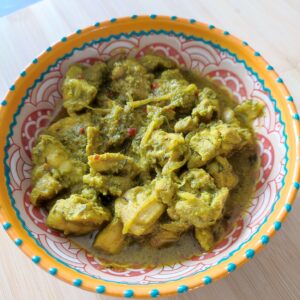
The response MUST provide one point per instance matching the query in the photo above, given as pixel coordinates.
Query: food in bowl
(34, 98)
(148, 154)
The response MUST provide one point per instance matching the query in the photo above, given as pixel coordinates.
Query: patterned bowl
(35, 97)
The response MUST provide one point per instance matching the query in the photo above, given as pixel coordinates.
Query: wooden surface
(271, 27)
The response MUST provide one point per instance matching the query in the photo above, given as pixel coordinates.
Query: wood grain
(270, 26)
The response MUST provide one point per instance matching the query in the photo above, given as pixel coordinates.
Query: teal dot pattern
(279, 80)
(97, 24)
(154, 293)
(182, 289)
(270, 68)
(173, 18)
(113, 20)
(134, 17)
(296, 117)
(78, 31)
(18, 242)
(296, 185)
(290, 98)
(128, 294)
(100, 289)
(207, 280)
(153, 16)
(250, 253)
(35, 61)
(36, 259)
(23, 74)
(211, 27)
(231, 267)
(264, 239)
(277, 225)
(3, 102)
(226, 32)
(77, 282)
(256, 53)
(53, 271)
(12, 88)
(288, 207)
(6, 225)
(192, 21)
(245, 43)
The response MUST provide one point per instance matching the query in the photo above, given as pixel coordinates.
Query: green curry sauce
(154, 162)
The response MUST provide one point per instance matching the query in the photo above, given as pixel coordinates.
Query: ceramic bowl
(35, 97)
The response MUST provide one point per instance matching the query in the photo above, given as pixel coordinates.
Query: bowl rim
(182, 25)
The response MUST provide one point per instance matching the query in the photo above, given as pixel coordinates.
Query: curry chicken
(145, 152)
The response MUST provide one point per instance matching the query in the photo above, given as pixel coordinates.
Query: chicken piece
(186, 125)
(217, 139)
(248, 111)
(182, 95)
(167, 150)
(130, 78)
(155, 62)
(77, 94)
(77, 215)
(167, 233)
(169, 78)
(115, 125)
(111, 173)
(45, 189)
(39, 171)
(109, 184)
(198, 200)
(71, 132)
(139, 209)
(94, 74)
(201, 210)
(164, 189)
(111, 239)
(94, 141)
(208, 107)
(228, 116)
(221, 170)
(81, 84)
(59, 160)
(205, 238)
(156, 111)
(196, 180)
(113, 163)
(183, 98)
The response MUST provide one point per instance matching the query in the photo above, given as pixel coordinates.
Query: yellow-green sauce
(158, 160)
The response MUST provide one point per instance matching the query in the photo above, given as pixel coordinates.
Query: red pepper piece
(154, 85)
(131, 131)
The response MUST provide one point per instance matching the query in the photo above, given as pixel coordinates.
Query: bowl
(35, 97)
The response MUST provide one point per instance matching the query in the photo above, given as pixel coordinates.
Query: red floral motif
(32, 126)
(89, 60)
(267, 155)
(231, 80)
